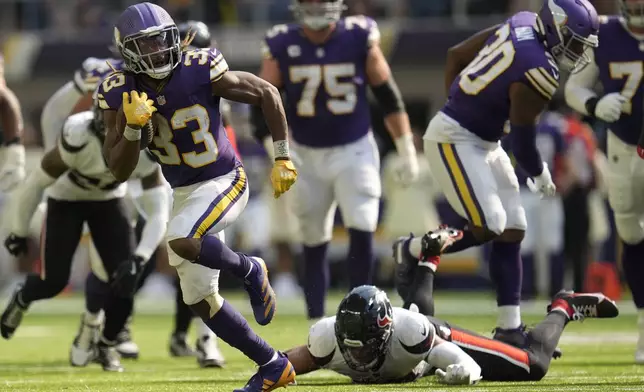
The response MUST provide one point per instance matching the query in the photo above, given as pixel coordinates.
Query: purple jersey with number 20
(479, 97)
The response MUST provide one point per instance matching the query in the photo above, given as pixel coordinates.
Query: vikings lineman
(617, 64)
(372, 342)
(324, 64)
(82, 189)
(209, 183)
(507, 72)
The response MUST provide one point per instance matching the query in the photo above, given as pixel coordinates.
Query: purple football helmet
(633, 11)
(148, 40)
(317, 14)
(570, 29)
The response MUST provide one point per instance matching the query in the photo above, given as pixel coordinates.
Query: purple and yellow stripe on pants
(462, 184)
(221, 205)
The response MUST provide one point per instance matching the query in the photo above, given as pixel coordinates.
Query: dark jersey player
(209, 183)
(617, 64)
(372, 342)
(325, 64)
(505, 73)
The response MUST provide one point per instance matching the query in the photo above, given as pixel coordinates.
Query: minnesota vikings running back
(209, 183)
(507, 72)
(617, 64)
(324, 64)
(372, 342)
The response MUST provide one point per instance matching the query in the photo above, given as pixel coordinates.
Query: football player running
(617, 64)
(196, 35)
(12, 171)
(324, 64)
(505, 73)
(209, 183)
(372, 342)
(81, 189)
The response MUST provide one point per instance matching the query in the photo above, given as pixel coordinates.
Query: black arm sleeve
(389, 97)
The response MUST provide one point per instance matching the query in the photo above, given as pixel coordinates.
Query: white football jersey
(412, 339)
(59, 106)
(89, 178)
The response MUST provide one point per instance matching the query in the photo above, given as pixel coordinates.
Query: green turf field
(597, 353)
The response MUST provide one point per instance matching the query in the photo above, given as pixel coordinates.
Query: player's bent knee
(186, 248)
(495, 223)
(483, 234)
(511, 235)
(629, 228)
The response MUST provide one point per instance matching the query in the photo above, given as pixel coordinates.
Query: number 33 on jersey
(191, 143)
(479, 97)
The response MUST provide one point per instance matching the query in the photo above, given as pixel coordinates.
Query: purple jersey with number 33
(191, 143)
(326, 84)
(479, 97)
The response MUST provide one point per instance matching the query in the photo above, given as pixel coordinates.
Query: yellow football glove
(139, 110)
(283, 176)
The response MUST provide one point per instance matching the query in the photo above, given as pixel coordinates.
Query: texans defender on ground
(617, 64)
(507, 72)
(83, 190)
(373, 343)
(12, 172)
(209, 183)
(324, 64)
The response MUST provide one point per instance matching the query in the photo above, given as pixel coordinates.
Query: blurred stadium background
(45, 41)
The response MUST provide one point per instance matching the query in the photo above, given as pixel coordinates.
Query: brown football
(147, 133)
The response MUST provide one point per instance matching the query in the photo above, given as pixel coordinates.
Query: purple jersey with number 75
(479, 97)
(191, 144)
(326, 84)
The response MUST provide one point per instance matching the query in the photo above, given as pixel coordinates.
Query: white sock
(640, 328)
(203, 330)
(272, 359)
(509, 317)
(93, 318)
(416, 247)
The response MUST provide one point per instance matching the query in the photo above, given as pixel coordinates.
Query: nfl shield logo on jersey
(161, 100)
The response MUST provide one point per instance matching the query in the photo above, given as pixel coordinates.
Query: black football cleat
(586, 305)
(12, 315)
(434, 243)
(404, 267)
(108, 357)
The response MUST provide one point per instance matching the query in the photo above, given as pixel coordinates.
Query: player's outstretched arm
(579, 90)
(302, 360)
(28, 195)
(388, 95)
(13, 171)
(460, 55)
(454, 366)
